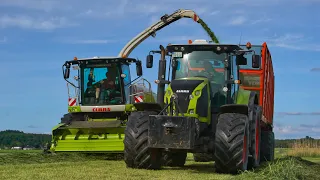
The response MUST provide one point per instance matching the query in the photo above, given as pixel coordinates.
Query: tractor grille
(183, 88)
(183, 101)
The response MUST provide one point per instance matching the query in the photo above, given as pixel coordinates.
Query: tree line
(13, 138)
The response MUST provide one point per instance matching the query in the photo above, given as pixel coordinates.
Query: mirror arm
(67, 65)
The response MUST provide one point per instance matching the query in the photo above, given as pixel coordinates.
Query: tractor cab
(100, 81)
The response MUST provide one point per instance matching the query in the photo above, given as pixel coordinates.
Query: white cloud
(176, 39)
(92, 41)
(43, 5)
(296, 132)
(27, 22)
(214, 13)
(261, 20)
(239, 20)
(293, 41)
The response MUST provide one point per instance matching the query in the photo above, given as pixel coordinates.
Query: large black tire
(136, 153)
(255, 133)
(267, 146)
(202, 157)
(174, 159)
(232, 143)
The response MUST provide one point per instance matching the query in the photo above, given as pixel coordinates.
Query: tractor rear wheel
(267, 146)
(202, 157)
(255, 132)
(232, 143)
(174, 159)
(136, 151)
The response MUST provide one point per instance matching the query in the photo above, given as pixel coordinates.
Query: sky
(38, 36)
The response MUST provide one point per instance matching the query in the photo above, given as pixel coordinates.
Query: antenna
(240, 38)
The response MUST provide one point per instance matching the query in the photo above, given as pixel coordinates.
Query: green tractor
(203, 111)
(103, 97)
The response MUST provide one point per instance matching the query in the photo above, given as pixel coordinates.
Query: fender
(244, 103)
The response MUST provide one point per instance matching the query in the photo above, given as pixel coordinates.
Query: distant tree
(10, 138)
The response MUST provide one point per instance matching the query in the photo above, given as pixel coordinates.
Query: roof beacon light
(248, 45)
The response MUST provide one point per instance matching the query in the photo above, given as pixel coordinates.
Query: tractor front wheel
(136, 151)
(232, 143)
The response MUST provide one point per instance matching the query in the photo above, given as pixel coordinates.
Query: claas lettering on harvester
(209, 108)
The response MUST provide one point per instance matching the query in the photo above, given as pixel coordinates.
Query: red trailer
(261, 80)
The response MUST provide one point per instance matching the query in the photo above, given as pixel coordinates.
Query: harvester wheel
(232, 143)
(136, 151)
(174, 159)
(254, 160)
(267, 147)
(202, 157)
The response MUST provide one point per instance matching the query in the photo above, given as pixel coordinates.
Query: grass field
(35, 165)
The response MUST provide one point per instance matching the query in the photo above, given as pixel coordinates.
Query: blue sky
(37, 36)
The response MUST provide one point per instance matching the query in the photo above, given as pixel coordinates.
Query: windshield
(201, 63)
(101, 85)
(205, 64)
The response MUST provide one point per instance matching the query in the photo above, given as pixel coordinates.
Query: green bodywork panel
(88, 139)
(192, 108)
(240, 97)
(92, 140)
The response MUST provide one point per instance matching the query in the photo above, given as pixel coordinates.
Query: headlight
(190, 96)
(197, 93)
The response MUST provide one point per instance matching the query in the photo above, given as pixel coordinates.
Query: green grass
(35, 165)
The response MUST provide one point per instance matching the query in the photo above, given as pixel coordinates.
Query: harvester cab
(100, 97)
(204, 109)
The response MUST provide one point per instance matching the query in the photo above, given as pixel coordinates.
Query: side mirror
(139, 68)
(256, 61)
(149, 63)
(66, 73)
(241, 60)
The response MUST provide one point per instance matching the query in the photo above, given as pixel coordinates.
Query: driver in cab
(108, 83)
(208, 70)
(105, 84)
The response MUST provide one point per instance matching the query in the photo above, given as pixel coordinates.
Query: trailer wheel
(255, 149)
(174, 159)
(202, 157)
(136, 151)
(267, 146)
(232, 143)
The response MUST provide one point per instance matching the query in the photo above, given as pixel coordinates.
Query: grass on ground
(35, 165)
